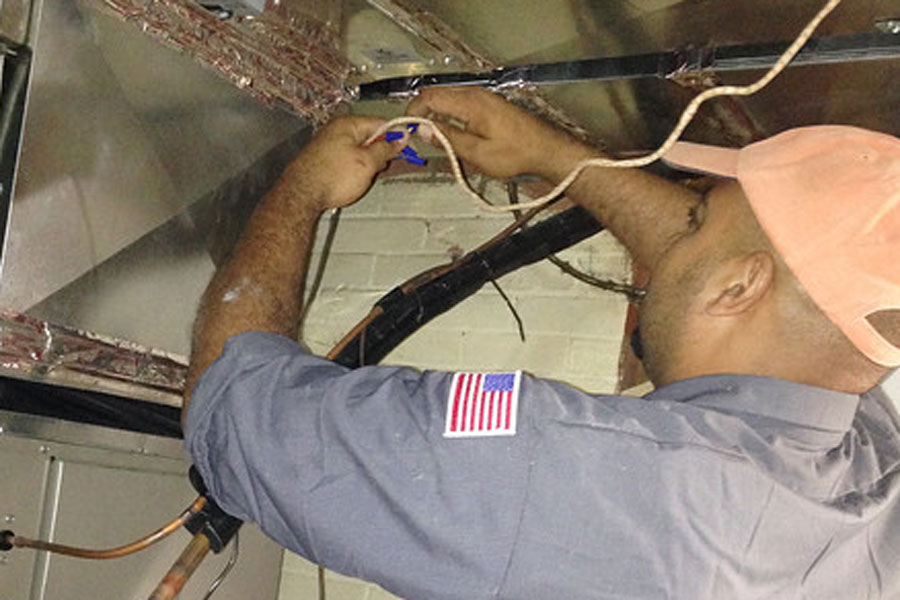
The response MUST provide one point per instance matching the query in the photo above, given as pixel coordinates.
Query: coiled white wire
(686, 116)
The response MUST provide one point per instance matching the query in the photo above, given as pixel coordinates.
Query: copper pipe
(136, 546)
(183, 568)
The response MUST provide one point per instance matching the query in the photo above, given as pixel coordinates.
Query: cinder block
(541, 277)
(368, 206)
(413, 197)
(333, 314)
(594, 357)
(353, 271)
(393, 269)
(334, 576)
(376, 593)
(541, 355)
(461, 235)
(297, 564)
(593, 385)
(429, 349)
(600, 244)
(297, 585)
(376, 235)
(345, 589)
(595, 315)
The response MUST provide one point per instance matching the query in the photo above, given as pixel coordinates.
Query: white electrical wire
(686, 116)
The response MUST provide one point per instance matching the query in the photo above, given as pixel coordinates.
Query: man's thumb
(382, 151)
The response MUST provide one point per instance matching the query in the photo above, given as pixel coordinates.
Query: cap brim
(699, 158)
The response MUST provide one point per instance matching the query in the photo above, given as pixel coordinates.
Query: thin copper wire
(136, 546)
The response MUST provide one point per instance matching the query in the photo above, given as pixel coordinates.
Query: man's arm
(646, 213)
(259, 288)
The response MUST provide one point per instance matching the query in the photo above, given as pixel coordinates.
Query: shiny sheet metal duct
(135, 165)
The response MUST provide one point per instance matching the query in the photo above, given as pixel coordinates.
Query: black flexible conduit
(403, 311)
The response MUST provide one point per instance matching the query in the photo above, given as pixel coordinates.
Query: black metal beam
(826, 50)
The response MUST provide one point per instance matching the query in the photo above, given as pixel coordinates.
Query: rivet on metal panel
(448, 59)
(889, 25)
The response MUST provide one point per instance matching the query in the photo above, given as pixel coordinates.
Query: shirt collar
(787, 401)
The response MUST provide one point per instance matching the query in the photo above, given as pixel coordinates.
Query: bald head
(723, 301)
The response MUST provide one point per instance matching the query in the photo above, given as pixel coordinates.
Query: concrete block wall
(407, 225)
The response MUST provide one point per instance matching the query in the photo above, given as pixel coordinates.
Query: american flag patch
(482, 404)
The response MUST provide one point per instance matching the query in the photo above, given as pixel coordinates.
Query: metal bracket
(826, 50)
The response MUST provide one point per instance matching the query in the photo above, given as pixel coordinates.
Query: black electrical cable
(404, 309)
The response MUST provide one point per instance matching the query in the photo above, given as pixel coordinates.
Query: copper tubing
(183, 568)
(136, 546)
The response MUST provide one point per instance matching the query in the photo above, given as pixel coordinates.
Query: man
(765, 465)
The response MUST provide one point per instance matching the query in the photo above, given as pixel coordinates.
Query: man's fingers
(466, 145)
(364, 127)
(463, 105)
(379, 152)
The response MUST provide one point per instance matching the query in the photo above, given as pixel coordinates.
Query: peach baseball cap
(828, 197)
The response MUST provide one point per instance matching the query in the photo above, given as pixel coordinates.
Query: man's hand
(644, 212)
(259, 287)
(335, 169)
(499, 138)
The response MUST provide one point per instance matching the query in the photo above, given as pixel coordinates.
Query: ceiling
(637, 114)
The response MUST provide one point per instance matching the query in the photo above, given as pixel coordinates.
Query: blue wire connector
(409, 154)
(412, 157)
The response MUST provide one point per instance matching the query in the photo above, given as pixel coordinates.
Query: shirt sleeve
(350, 468)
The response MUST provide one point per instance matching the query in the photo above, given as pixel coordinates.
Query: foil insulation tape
(296, 62)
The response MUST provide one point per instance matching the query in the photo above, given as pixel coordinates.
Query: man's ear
(740, 283)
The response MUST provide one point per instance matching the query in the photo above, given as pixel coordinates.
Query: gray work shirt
(712, 488)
